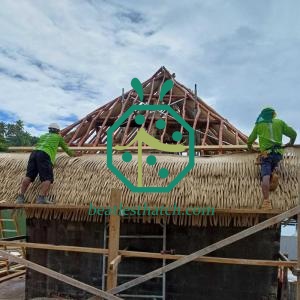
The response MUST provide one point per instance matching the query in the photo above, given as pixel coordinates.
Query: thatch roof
(226, 181)
(211, 128)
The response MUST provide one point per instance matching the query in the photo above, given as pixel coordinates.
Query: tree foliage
(14, 134)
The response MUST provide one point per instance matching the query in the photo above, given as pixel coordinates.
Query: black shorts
(270, 163)
(40, 164)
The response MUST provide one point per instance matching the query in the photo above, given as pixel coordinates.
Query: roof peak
(210, 127)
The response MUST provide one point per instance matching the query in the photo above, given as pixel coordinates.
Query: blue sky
(59, 60)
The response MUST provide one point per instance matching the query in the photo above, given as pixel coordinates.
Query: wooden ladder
(3, 234)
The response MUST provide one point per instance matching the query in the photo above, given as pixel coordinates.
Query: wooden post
(114, 237)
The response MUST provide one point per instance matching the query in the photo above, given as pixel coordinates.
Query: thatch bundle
(225, 181)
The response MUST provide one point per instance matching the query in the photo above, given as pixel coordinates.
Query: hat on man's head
(54, 126)
(266, 115)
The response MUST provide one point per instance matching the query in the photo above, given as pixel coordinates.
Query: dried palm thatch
(226, 181)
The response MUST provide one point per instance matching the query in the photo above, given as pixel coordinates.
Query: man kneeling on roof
(270, 131)
(41, 163)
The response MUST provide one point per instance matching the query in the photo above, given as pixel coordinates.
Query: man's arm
(65, 147)
(252, 137)
(289, 132)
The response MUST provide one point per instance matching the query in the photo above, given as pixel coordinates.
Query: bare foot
(267, 205)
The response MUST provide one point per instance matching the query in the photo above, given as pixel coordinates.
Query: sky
(61, 59)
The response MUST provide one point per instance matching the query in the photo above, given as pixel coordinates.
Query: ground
(13, 289)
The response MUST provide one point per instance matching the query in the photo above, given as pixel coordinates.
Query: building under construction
(227, 249)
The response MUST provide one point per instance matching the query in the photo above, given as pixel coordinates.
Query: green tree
(14, 134)
(3, 143)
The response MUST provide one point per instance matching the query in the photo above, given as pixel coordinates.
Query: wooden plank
(211, 259)
(221, 135)
(55, 247)
(236, 237)
(12, 269)
(145, 148)
(152, 255)
(232, 211)
(105, 120)
(114, 238)
(58, 276)
(14, 238)
(166, 115)
(10, 276)
(114, 263)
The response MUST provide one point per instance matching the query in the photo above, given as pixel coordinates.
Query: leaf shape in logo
(137, 86)
(166, 87)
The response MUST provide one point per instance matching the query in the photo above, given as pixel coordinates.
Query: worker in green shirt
(41, 163)
(270, 131)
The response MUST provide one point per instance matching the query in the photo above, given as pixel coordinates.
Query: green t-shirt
(50, 142)
(270, 134)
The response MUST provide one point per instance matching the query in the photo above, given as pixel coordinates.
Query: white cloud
(62, 58)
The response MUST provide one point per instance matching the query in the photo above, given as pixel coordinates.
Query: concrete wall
(199, 281)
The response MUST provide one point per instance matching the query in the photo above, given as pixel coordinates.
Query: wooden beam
(114, 238)
(58, 276)
(221, 135)
(55, 247)
(146, 148)
(13, 268)
(10, 276)
(231, 211)
(152, 255)
(113, 266)
(189, 258)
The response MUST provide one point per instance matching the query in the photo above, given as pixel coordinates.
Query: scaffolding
(112, 256)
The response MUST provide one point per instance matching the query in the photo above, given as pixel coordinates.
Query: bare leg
(45, 186)
(25, 184)
(266, 192)
(265, 185)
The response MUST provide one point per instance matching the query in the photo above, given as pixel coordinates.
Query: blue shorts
(269, 163)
